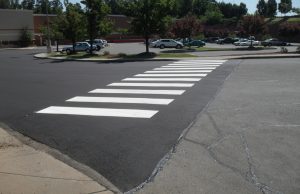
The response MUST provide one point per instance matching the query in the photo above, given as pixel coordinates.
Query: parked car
(273, 42)
(198, 43)
(166, 43)
(211, 39)
(100, 43)
(246, 42)
(227, 40)
(79, 46)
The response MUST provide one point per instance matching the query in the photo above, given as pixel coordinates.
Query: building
(40, 21)
(12, 22)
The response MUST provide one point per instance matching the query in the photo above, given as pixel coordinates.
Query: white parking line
(163, 79)
(215, 61)
(180, 85)
(171, 75)
(130, 91)
(200, 63)
(193, 65)
(157, 101)
(178, 71)
(106, 112)
(184, 68)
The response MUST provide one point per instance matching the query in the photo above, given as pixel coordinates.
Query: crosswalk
(176, 77)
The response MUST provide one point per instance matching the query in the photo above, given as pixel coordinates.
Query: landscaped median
(112, 57)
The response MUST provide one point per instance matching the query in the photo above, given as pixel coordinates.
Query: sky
(251, 4)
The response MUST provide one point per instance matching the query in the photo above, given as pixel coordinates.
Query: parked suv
(99, 43)
(166, 43)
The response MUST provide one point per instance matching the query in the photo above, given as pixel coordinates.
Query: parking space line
(156, 101)
(130, 91)
(180, 85)
(109, 112)
(184, 68)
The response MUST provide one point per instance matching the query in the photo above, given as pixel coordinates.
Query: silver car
(79, 46)
(166, 43)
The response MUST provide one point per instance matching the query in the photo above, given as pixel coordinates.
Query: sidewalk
(24, 170)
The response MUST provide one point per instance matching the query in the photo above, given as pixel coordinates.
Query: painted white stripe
(176, 71)
(153, 84)
(158, 101)
(199, 63)
(192, 65)
(106, 112)
(185, 68)
(163, 79)
(171, 75)
(203, 60)
(130, 91)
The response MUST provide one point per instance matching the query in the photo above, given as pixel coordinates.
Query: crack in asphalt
(250, 176)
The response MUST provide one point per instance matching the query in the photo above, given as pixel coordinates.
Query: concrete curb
(258, 56)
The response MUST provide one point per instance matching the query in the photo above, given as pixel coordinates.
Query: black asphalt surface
(124, 150)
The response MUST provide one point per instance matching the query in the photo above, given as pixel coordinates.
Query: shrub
(284, 50)
(25, 38)
(289, 29)
(106, 53)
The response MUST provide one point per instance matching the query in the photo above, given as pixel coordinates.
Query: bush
(106, 53)
(25, 38)
(289, 29)
(284, 50)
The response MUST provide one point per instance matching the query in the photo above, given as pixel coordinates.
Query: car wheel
(270, 44)
(98, 48)
(87, 50)
(68, 51)
(178, 46)
(162, 46)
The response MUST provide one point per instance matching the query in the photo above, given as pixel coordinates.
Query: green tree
(262, 8)
(95, 11)
(28, 4)
(25, 38)
(213, 15)
(285, 6)
(4, 4)
(72, 23)
(149, 17)
(271, 8)
(296, 10)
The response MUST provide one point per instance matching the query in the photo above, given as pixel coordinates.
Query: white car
(166, 43)
(246, 42)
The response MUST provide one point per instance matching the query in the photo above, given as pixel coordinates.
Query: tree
(149, 17)
(95, 11)
(285, 6)
(186, 27)
(262, 8)
(28, 4)
(72, 23)
(4, 4)
(253, 25)
(213, 15)
(296, 10)
(271, 8)
(56, 7)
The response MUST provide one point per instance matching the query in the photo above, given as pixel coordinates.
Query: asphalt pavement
(124, 149)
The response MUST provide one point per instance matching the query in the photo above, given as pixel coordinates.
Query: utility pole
(48, 29)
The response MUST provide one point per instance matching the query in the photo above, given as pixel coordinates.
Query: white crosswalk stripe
(129, 91)
(163, 79)
(180, 74)
(185, 68)
(171, 75)
(158, 101)
(180, 85)
(106, 112)
(178, 71)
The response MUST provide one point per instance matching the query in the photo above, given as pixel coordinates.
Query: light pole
(48, 30)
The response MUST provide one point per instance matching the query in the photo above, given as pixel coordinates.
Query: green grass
(293, 20)
(175, 55)
(212, 49)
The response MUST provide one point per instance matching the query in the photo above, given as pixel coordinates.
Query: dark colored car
(273, 42)
(227, 40)
(211, 39)
(197, 43)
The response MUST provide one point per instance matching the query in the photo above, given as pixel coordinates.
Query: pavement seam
(44, 177)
